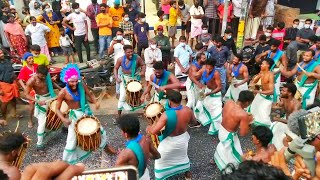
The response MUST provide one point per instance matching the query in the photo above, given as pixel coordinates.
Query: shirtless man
(174, 140)
(139, 148)
(164, 79)
(43, 87)
(209, 107)
(238, 75)
(280, 62)
(130, 64)
(193, 83)
(9, 149)
(234, 118)
(75, 95)
(307, 77)
(262, 103)
(288, 102)
(261, 138)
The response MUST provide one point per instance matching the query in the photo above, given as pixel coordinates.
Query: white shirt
(151, 54)
(196, 11)
(37, 33)
(118, 49)
(237, 7)
(33, 11)
(79, 22)
(65, 41)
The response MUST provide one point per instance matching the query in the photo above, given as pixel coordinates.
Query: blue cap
(26, 55)
(117, 2)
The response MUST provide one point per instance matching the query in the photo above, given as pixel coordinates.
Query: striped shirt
(127, 27)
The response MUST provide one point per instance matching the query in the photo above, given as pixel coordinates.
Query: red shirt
(221, 10)
(26, 73)
(279, 35)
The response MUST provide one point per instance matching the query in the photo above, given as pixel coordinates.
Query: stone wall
(285, 14)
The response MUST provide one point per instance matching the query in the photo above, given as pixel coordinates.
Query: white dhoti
(122, 104)
(174, 156)
(148, 73)
(277, 83)
(146, 175)
(233, 92)
(209, 111)
(192, 93)
(228, 150)
(156, 98)
(177, 70)
(261, 109)
(40, 112)
(308, 93)
(72, 153)
(279, 130)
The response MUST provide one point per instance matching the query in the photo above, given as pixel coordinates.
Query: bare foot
(188, 175)
(212, 162)
(110, 150)
(30, 124)
(3, 122)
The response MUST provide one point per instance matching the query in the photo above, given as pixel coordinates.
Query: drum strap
(50, 86)
(171, 124)
(275, 58)
(162, 82)
(83, 102)
(138, 151)
(309, 68)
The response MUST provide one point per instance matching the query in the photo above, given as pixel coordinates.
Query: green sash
(164, 82)
(138, 151)
(50, 86)
(134, 65)
(83, 100)
(235, 153)
(275, 58)
(171, 124)
(309, 69)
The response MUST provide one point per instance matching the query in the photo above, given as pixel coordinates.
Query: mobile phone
(116, 173)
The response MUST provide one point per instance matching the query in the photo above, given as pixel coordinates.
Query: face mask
(181, 7)
(36, 55)
(143, 19)
(182, 43)
(34, 23)
(77, 11)
(307, 26)
(153, 46)
(267, 34)
(160, 33)
(48, 10)
(205, 31)
(295, 26)
(229, 37)
(126, 19)
(103, 11)
(119, 37)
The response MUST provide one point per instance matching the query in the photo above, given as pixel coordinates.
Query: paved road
(201, 147)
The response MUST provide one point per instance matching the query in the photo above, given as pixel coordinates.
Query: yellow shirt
(173, 17)
(116, 15)
(40, 60)
(163, 23)
(104, 19)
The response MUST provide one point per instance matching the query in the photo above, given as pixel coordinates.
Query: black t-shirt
(132, 15)
(230, 45)
(6, 71)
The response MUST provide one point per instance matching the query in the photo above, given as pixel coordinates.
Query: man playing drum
(308, 74)
(234, 118)
(238, 75)
(43, 86)
(209, 106)
(139, 149)
(130, 64)
(9, 152)
(162, 78)
(174, 140)
(262, 103)
(74, 94)
(193, 84)
(279, 59)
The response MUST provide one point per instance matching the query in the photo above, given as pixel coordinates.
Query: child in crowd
(162, 22)
(141, 33)
(66, 45)
(173, 19)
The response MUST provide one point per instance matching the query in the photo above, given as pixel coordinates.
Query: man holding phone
(174, 140)
(138, 147)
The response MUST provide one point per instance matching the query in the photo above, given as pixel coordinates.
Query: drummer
(131, 64)
(74, 94)
(9, 146)
(164, 80)
(43, 86)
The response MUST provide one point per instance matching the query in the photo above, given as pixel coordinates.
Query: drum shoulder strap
(171, 124)
(138, 151)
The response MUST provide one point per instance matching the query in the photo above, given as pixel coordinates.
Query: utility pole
(225, 16)
(242, 22)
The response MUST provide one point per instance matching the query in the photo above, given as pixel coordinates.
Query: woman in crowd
(15, 34)
(51, 20)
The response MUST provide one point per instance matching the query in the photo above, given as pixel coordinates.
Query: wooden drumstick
(304, 71)
(17, 127)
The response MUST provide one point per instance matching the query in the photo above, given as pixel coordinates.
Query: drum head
(87, 126)
(153, 109)
(64, 107)
(134, 86)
